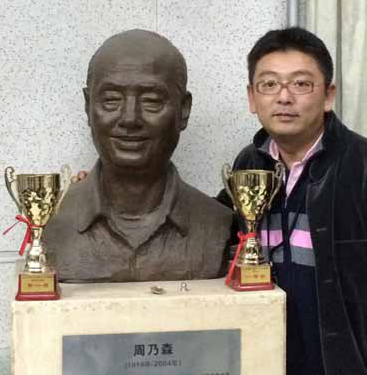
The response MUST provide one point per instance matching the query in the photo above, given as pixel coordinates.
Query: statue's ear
(86, 100)
(186, 109)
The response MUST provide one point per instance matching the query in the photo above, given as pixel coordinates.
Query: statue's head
(136, 100)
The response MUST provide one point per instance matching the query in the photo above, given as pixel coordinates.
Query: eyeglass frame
(286, 85)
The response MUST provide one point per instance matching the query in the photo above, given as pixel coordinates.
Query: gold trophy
(38, 197)
(252, 192)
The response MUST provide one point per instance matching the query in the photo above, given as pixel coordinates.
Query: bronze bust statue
(133, 218)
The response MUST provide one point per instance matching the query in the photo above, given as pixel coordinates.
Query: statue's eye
(152, 102)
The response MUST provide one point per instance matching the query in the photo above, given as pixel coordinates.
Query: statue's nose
(129, 112)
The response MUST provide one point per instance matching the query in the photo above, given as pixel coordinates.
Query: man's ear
(330, 97)
(251, 99)
(86, 101)
(185, 109)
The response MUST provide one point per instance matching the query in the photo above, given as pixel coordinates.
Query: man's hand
(79, 177)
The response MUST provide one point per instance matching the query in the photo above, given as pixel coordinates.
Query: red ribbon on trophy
(243, 238)
(28, 234)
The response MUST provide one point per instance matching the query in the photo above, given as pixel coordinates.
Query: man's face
(135, 112)
(287, 117)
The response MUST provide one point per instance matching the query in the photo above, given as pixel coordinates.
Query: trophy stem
(251, 253)
(251, 226)
(36, 258)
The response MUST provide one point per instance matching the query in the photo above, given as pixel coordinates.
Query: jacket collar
(334, 144)
(91, 205)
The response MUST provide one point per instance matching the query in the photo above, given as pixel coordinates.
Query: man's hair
(292, 38)
(173, 54)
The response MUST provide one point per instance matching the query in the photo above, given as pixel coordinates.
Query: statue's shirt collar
(134, 229)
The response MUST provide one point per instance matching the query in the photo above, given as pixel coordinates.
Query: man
(133, 218)
(316, 231)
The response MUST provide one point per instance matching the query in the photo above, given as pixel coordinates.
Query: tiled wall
(44, 51)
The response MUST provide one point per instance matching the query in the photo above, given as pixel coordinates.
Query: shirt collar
(273, 149)
(91, 206)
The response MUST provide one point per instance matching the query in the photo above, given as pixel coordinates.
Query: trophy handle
(65, 178)
(226, 175)
(278, 176)
(9, 181)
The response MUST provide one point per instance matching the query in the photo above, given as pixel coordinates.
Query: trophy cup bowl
(37, 197)
(252, 192)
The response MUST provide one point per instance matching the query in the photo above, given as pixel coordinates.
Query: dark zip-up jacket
(336, 204)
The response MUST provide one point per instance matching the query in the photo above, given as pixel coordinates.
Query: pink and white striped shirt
(300, 239)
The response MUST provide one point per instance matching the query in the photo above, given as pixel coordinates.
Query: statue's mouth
(129, 142)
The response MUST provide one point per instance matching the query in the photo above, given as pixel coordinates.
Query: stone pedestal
(99, 309)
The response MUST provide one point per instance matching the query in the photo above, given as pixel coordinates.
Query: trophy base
(37, 286)
(251, 278)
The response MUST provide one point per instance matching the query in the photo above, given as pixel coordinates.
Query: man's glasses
(297, 87)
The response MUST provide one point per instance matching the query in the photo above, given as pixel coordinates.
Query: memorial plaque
(213, 352)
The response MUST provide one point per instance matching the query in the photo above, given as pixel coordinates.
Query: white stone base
(38, 327)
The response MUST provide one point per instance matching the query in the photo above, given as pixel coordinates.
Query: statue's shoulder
(66, 219)
(62, 237)
(203, 206)
(209, 227)
(70, 204)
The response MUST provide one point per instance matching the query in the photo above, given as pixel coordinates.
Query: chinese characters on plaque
(211, 352)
